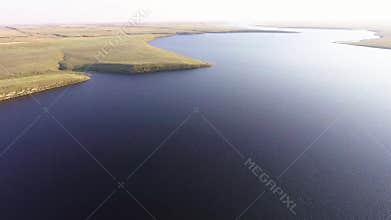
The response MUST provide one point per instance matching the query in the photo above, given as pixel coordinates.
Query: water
(313, 112)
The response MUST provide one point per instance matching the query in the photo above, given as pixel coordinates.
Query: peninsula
(37, 58)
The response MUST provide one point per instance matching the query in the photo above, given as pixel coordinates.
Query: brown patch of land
(383, 42)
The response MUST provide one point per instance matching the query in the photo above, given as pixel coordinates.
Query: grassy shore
(127, 54)
(33, 59)
(15, 87)
(36, 58)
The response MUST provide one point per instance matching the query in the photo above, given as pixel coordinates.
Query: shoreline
(36, 84)
(141, 68)
(383, 33)
(382, 42)
(24, 85)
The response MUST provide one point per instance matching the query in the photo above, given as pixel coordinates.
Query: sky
(92, 11)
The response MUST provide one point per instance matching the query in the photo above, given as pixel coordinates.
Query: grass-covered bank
(36, 58)
(128, 54)
(20, 86)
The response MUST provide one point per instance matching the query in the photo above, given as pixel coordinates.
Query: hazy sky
(87, 11)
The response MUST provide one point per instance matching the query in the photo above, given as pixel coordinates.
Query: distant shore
(383, 31)
(383, 42)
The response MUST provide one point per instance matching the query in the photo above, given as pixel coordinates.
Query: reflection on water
(314, 115)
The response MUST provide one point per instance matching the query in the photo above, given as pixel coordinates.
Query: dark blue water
(313, 114)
